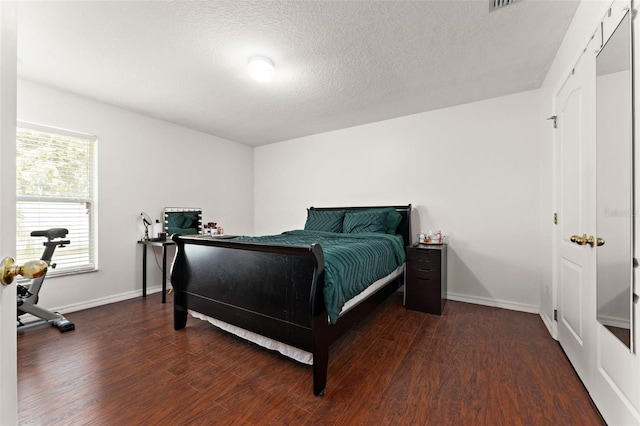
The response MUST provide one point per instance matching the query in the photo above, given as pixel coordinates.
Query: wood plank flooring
(474, 365)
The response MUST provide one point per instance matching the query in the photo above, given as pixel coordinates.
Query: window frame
(91, 201)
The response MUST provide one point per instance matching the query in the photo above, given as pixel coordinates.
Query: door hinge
(555, 315)
(555, 121)
(555, 218)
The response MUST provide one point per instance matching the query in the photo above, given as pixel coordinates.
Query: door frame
(8, 111)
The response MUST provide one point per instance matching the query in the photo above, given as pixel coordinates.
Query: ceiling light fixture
(261, 68)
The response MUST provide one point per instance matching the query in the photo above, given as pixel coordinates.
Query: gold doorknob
(30, 269)
(599, 242)
(591, 240)
(578, 239)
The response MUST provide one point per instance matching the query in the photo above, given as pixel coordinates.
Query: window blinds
(55, 180)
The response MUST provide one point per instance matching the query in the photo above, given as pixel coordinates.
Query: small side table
(163, 244)
(426, 285)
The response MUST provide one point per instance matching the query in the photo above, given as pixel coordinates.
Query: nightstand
(426, 285)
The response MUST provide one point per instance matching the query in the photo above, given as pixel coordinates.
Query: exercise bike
(28, 293)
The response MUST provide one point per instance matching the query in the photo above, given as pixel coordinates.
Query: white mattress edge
(287, 350)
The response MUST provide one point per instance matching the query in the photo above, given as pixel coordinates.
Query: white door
(575, 268)
(8, 376)
(615, 380)
(608, 369)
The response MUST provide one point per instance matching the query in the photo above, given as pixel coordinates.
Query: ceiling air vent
(499, 4)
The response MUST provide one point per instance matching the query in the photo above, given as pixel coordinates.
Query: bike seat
(51, 233)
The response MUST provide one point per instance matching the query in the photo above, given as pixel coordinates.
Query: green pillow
(324, 220)
(365, 221)
(392, 221)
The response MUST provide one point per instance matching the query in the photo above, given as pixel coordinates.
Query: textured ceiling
(338, 63)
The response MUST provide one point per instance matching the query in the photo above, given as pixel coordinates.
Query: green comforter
(352, 261)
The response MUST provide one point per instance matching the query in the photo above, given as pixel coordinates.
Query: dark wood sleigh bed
(272, 290)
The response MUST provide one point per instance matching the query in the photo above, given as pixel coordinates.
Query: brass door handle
(31, 269)
(583, 240)
(578, 239)
(599, 242)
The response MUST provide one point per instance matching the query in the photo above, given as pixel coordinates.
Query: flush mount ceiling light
(261, 68)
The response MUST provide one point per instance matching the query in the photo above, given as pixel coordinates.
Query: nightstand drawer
(424, 256)
(423, 268)
(424, 283)
(423, 294)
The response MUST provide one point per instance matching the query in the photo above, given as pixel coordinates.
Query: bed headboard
(404, 228)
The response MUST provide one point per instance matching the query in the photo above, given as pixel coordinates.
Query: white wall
(144, 164)
(470, 170)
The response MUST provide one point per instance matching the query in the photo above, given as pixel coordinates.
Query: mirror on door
(614, 185)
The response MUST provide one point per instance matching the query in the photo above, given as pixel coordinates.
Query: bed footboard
(275, 291)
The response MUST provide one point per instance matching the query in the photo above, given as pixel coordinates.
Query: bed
(278, 291)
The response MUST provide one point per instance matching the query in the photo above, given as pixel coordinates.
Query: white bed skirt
(287, 350)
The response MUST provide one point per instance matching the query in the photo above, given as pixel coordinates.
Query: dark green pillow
(324, 220)
(364, 221)
(392, 221)
(391, 218)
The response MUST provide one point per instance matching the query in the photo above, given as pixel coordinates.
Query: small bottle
(157, 229)
(421, 237)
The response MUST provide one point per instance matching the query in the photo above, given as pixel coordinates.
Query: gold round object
(6, 267)
(30, 269)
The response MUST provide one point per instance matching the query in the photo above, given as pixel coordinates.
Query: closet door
(575, 260)
(615, 382)
(606, 362)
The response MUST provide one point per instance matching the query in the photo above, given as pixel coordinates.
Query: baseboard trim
(614, 322)
(532, 309)
(550, 324)
(66, 309)
(106, 300)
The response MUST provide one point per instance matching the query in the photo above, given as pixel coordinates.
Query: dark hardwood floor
(474, 365)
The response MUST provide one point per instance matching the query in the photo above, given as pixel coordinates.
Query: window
(56, 188)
